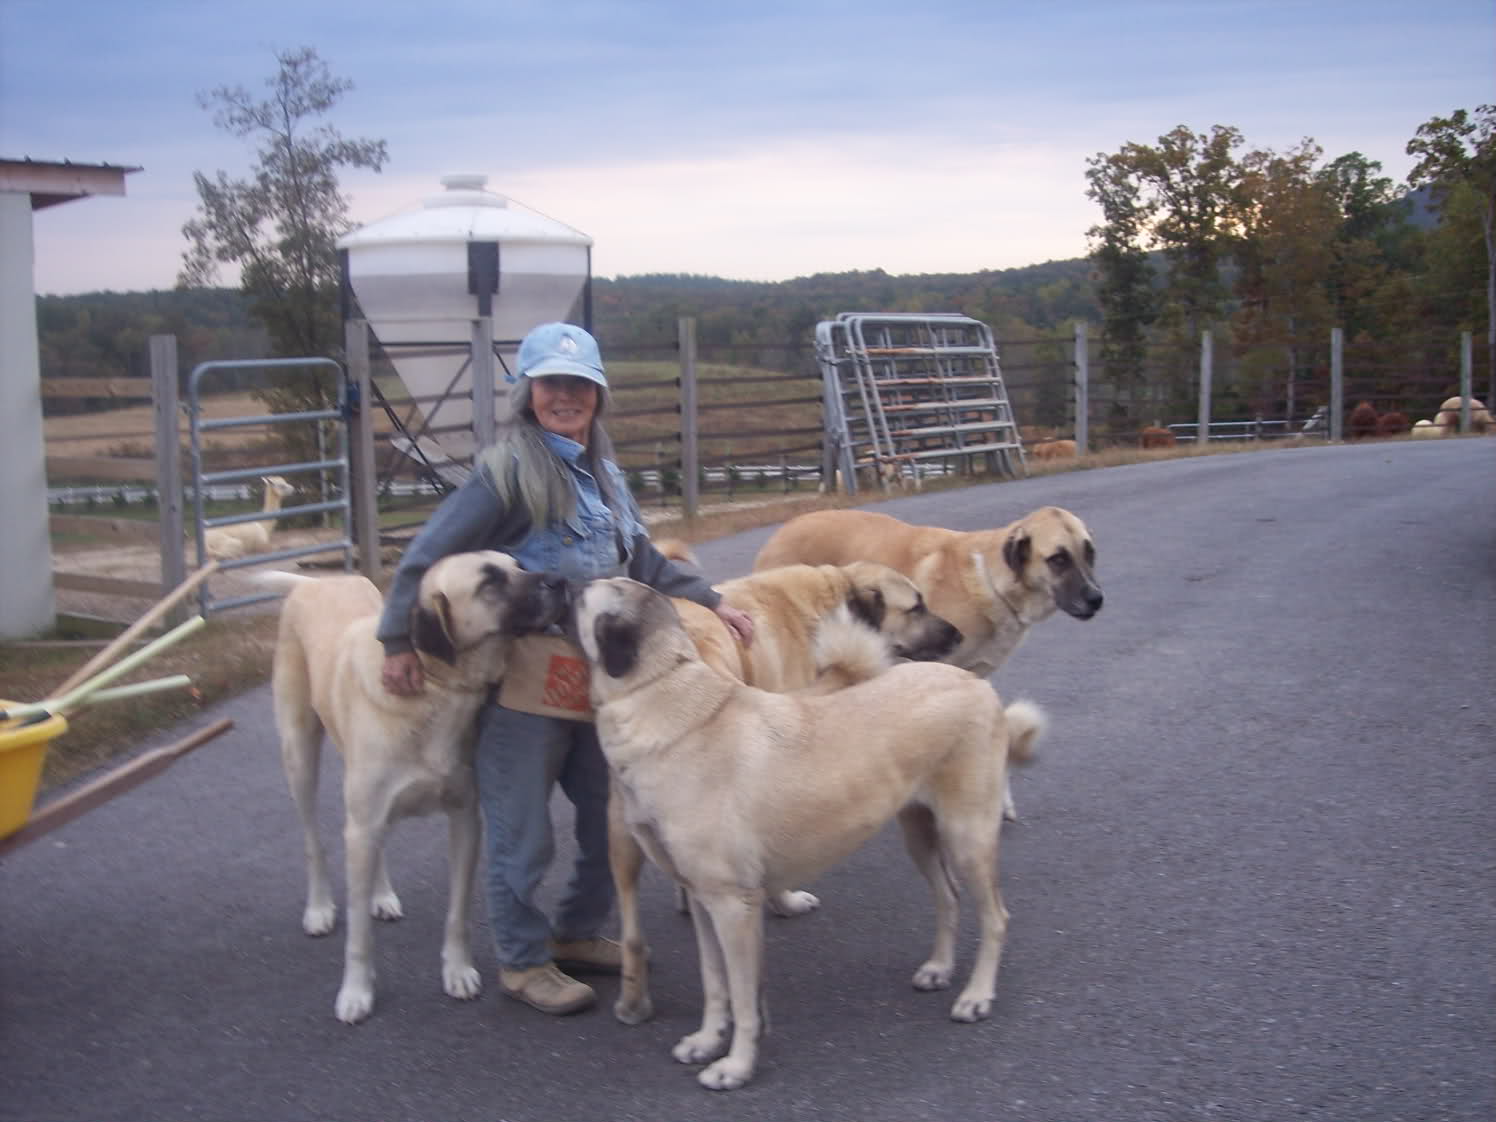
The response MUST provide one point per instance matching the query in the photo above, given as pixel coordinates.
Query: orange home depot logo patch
(566, 684)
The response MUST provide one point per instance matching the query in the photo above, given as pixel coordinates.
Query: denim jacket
(596, 541)
(592, 542)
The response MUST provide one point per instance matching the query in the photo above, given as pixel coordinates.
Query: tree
(1179, 197)
(1460, 150)
(1374, 239)
(1124, 282)
(1286, 221)
(280, 225)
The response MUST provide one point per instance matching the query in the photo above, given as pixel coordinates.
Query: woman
(548, 493)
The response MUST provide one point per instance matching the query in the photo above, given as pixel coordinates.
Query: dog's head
(629, 632)
(469, 598)
(1050, 552)
(891, 604)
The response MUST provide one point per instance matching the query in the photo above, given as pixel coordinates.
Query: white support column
(28, 604)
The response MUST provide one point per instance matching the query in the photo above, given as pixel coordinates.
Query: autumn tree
(1286, 221)
(1124, 278)
(280, 223)
(1459, 151)
(1177, 196)
(1372, 246)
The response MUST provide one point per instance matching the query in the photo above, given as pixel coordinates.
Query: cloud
(789, 137)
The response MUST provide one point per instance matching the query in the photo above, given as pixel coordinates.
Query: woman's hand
(740, 622)
(402, 674)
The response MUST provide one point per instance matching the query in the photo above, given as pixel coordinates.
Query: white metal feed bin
(418, 276)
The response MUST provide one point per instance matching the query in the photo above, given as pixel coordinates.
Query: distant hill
(1030, 300)
(99, 334)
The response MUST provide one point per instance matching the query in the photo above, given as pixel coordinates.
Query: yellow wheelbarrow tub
(23, 750)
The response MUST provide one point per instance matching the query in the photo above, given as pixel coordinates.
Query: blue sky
(757, 141)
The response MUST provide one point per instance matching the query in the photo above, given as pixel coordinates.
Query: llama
(229, 543)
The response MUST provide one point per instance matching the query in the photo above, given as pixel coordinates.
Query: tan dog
(992, 584)
(790, 606)
(737, 792)
(402, 756)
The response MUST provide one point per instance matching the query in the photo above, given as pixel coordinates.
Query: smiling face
(564, 404)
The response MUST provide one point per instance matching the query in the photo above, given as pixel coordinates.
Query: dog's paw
(462, 981)
(633, 1009)
(319, 919)
(793, 902)
(355, 1002)
(933, 976)
(700, 1047)
(969, 1009)
(725, 1075)
(385, 905)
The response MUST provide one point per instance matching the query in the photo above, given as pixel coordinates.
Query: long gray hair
(525, 472)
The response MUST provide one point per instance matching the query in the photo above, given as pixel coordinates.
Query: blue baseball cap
(561, 348)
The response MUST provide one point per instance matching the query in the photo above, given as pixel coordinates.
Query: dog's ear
(868, 605)
(1016, 551)
(617, 644)
(431, 629)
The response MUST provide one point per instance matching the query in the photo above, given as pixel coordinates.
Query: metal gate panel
(902, 390)
(201, 480)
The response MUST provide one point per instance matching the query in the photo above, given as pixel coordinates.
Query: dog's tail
(280, 579)
(1026, 724)
(847, 651)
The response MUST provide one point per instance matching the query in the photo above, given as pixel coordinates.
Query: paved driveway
(1253, 878)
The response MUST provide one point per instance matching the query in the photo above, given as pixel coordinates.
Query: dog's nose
(1093, 599)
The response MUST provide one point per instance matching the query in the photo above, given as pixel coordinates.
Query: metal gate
(334, 461)
(901, 391)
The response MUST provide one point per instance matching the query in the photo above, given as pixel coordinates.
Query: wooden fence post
(1337, 384)
(1207, 371)
(365, 505)
(689, 457)
(163, 358)
(1082, 390)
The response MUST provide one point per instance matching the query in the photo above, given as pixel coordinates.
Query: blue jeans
(520, 759)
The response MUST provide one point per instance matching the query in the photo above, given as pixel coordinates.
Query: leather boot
(546, 988)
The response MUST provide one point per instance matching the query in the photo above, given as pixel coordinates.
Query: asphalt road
(1253, 879)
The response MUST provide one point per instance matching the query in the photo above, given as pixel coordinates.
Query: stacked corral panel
(905, 392)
